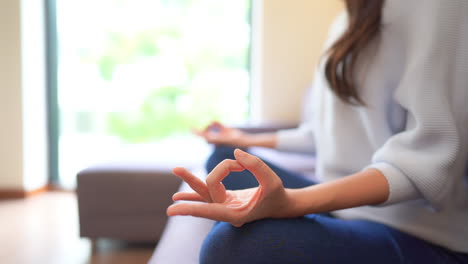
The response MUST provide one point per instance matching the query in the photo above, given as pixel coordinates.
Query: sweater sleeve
(299, 139)
(423, 160)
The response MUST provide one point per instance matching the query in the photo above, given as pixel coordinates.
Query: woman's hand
(217, 133)
(269, 200)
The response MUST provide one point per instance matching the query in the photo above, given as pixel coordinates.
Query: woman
(390, 130)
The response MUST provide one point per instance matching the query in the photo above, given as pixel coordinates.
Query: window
(135, 72)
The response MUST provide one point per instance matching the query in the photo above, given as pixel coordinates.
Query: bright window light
(133, 73)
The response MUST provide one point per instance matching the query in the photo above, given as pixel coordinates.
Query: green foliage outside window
(157, 117)
(187, 103)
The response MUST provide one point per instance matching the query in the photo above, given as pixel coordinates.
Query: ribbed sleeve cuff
(401, 188)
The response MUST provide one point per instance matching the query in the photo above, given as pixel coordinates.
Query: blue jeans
(316, 238)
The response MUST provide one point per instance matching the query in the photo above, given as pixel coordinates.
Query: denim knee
(217, 247)
(298, 240)
(254, 242)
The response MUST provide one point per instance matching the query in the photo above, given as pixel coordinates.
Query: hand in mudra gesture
(269, 200)
(217, 133)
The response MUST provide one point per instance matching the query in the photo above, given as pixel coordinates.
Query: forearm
(368, 187)
(267, 140)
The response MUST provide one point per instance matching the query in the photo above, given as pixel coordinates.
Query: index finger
(194, 182)
(213, 211)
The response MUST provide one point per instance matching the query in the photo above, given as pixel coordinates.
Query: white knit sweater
(414, 129)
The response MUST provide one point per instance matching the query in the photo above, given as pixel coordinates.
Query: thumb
(264, 174)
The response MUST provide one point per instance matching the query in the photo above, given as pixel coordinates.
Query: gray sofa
(124, 201)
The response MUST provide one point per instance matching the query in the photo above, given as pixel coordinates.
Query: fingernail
(169, 211)
(239, 152)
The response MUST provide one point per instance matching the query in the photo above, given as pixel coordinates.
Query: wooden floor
(44, 229)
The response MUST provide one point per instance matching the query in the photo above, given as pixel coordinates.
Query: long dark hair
(364, 23)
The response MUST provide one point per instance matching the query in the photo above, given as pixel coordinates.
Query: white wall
(23, 152)
(288, 40)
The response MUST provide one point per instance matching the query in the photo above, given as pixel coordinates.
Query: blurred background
(133, 72)
(95, 81)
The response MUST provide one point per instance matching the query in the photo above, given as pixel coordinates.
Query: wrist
(310, 200)
(267, 140)
(293, 205)
(293, 208)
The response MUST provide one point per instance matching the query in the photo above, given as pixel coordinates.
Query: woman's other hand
(269, 200)
(217, 133)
